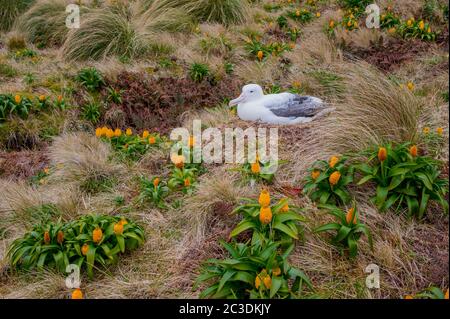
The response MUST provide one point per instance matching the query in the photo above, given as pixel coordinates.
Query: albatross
(282, 108)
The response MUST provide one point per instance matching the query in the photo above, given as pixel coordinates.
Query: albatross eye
(251, 91)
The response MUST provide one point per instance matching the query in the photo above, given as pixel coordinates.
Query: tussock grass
(122, 30)
(10, 10)
(82, 159)
(222, 11)
(373, 110)
(45, 22)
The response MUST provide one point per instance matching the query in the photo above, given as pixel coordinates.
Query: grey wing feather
(298, 106)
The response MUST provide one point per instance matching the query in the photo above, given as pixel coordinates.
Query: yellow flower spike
(318, 14)
(97, 235)
(296, 84)
(18, 99)
(104, 130)
(440, 130)
(85, 249)
(429, 30)
(265, 215)
(409, 23)
(315, 173)
(392, 30)
(257, 282)
(409, 297)
(191, 141)
(349, 24)
(413, 151)
(446, 294)
(117, 132)
(46, 170)
(187, 182)
(145, 134)
(255, 168)
(260, 55)
(276, 271)
(410, 86)
(334, 178)
(156, 182)
(77, 294)
(60, 98)
(60, 237)
(333, 161)
(123, 221)
(297, 13)
(151, 140)
(118, 228)
(426, 130)
(110, 133)
(47, 238)
(42, 98)
(421, 25)
(331, 24)
(99, 132)
(264, 198)
(351, 216)
(382, 154)
(178, 160)
(129, 132)
(284, 208)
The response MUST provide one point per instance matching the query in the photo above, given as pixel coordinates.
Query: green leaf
(352, 246)
(382, 193)
(343, 233)
(242, 226)
(90, 257)
(276, 284)
(327, 227)
(121, 242)
(226, 276)
(283, 228)
(365, 179)
(426, 181)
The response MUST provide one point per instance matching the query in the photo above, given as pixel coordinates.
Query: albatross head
(250, 92)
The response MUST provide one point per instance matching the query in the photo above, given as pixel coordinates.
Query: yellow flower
(440, 130)
(429, 30)
(18, 99)
(263, 277)
(77, 294)
(318, 14)
(46, 171)
(331, 24)
(104, 130)
(421, 25)
(334, 178)
(178, 160)
(191, 141)
(117, 132)
(446, 294)
(265, 215)
(110, 133)
(97, 235)
(47, 238)
(257, 282)
(333, 161)
(60, 237)
(285, 208)
(123, 221)
(276, 271)
(410, 86)
(129, 132)
(349, 23)
(409, 297)
(382, 154)
(315, 173)
(156, 182)
(351, 216)
(264, 198)
(392, 30)
(297, 13)
(292, 45)
(296, 84)
(42, 98)
(260, 55)
(118, 228)
(151, 140)
(85, 249)
(267, 282)
(413, 151)
(99, 132)
(409, 23)
(145, 134)
(59, 98)
(255, 168)
(426, 130)
(187, 182)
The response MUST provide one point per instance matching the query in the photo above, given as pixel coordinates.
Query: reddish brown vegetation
(157, 103)
(22, 164)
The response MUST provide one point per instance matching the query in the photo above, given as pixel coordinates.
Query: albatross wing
(293, 105)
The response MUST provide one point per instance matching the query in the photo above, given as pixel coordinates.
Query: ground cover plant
(89, 174)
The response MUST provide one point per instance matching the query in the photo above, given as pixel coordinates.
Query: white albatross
(282, 108)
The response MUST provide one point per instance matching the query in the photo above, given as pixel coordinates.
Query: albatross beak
(240, 99)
